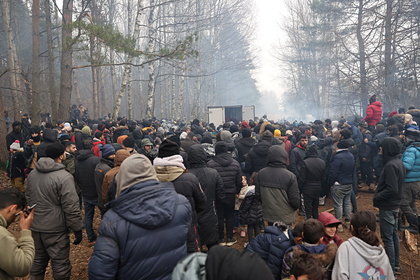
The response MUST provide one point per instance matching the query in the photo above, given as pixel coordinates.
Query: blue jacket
(356, 135)
(342, 168)
(271, 246)
(143, 235)
(411, 160)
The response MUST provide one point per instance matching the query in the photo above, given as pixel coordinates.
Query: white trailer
(221, 114)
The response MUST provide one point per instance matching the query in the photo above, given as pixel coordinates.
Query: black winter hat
(54, 150)
(267, 136)
(129, 142)
(343, 144)
(221, 148)
(168, 148)
(246, 132)
(207, 140)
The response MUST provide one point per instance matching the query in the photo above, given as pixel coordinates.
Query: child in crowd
(272, 245)
(16, 166)
(238, 202)
(250, 212)
(330, 228)
(306, 267)
(313, 233)
(362, 255)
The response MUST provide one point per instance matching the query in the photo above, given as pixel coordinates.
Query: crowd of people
(172, 194)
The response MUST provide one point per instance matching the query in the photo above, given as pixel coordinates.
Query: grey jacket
(51, 187)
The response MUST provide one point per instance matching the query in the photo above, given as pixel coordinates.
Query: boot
(414, 224)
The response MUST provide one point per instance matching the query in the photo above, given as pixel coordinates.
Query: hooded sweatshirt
(356, 259)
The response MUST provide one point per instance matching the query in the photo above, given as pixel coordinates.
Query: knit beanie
(128, 142)
(225, 135)
(207, 140)
(277, 133)
(168, 148)
(221, 148)
(267, 136)
(343, 144)
(233, 128)
(15, 145)
(54, 150)
(245, 124)
(246, 132)
(107, 150)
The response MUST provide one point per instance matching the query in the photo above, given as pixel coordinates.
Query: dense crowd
(171, 194)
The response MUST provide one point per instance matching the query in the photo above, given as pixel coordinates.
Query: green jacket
(16, 258)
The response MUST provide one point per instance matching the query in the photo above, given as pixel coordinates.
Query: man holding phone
(16, 258)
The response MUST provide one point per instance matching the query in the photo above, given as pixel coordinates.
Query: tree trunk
(389, 65)
(66, 61)
(4, 152)
(181, 91)
(94, 78)
(151, 65)
(35, 112)
(12, 63)
(51, 72)
(364, 95)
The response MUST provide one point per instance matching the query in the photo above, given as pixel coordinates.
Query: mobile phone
(27, 210)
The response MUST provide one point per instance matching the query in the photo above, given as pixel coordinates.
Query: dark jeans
(54, 247)
(224, 211)
(89, 213)
(366, 170)
(311, 203)
(253, 230)
(388, 222)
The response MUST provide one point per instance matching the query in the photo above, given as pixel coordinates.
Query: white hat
(16, 146)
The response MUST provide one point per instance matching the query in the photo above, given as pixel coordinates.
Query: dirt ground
(80, 254)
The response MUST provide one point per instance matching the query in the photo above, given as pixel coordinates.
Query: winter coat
(119, 131)
(49, 137)
(16, 258)
(84, 173)
(296, 160)
(257, 157)
(278, 188)
(143, 235)
(411, 160)
(390, 183)
(187, 185)
(271, 247)
(324, 253)
(355, 258)
(243, 146)
(12, 137)
(16, 166)
(356, 135)
(416, 115)
(103, 167)
(342, 168)
(250, 212)
(229, 170)
(212, 185)
(52, 188)
(373, 113)
(186, 144)
(311, 175)
(366, 148)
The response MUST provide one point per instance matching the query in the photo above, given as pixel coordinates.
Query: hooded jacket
(244, 145)
(144, 234)
(278, 188)
(355, 258)
(411, 160)
(257, 157)
(16, 258)
(170, 169)
(342, 168)
(84, 173)
(373, 113)
(229, 170)
(49, 137)
(212, 185)
(103, 167)
(311, 174)
(52, 188)
(389, 190)
(271, 247)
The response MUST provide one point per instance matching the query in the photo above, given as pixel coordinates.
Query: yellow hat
(277, 133)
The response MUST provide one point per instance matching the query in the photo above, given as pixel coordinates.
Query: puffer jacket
(84, 169)
(250, 211)
(373, 113)
(342, 168)
(312, 174)
(143, 235)
(278, 188)
(411, 160)
(16, 258)
(271, 247)
(229, 170)
(257, 157)
(212, 185)
(52, 188)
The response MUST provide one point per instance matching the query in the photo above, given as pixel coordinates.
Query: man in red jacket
(373, 113)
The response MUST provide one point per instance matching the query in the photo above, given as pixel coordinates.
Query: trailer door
(216, 115)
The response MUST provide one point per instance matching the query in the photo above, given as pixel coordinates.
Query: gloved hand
(77, 237)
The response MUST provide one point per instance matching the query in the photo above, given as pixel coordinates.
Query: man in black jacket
(258, 155)
(230, 171)
(244, 145)
(388, 198)
(84, 175)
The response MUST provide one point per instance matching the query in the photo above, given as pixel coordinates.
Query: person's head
(297, 233)
(306, 267)
(372, 99)
(35, 133)
(244, 181)
(246, 132)
(363, 126)
(70, 147)
(108, 151)
(313, 231)
(12, 201)
(220, 148)
(17, 127)
(99, 135)
(168, 148)
(363, 226)
(267, 136)
(128, 143)
(56, 151)
(146, 144)
(330, 223)
(303, 140)
(345, 133)
(87, 144)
